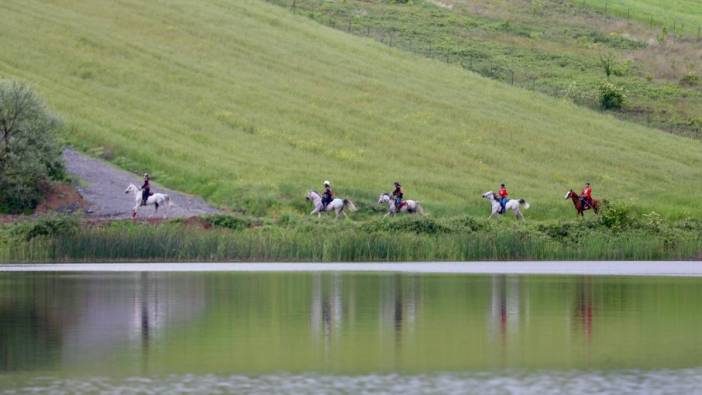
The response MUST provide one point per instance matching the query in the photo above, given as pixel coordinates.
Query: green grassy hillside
(550, 46)
(249, 106)
(682, 15)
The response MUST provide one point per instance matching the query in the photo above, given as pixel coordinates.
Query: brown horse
(579, 203)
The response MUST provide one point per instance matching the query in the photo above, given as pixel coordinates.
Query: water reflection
(155, 323)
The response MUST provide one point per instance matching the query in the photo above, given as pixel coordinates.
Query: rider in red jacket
(586, 196)
(504, 196)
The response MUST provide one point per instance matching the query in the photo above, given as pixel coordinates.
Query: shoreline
(587, 268)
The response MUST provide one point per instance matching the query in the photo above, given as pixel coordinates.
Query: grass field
(683, 15)
(248, 105)
(550, 46)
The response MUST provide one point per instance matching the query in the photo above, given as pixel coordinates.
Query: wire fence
(612, 8)
(468, 59)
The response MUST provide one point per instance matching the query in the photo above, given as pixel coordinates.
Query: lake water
(348, 333)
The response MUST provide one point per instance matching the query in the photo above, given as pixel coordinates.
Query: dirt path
(102, 186)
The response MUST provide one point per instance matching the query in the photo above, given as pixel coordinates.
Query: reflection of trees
(70, 318)
(28, 338)
(30, 334)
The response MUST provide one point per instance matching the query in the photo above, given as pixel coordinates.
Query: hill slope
(248, 106)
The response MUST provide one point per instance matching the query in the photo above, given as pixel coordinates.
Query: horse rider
(586, 196)
(145, 189)
(327, 195)
(398, 194)
(504, 197)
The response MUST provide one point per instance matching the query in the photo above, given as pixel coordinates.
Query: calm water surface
(348, 333)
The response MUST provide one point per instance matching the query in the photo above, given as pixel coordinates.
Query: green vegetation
(620, 233)
(249, 105)
(555, 47)
(679, 16)
(29, 153)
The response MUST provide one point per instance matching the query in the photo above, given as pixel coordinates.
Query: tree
(30, 156)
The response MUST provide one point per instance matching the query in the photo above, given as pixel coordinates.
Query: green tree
(30, 156)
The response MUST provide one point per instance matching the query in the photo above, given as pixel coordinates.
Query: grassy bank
(249, 105)
(621, 233)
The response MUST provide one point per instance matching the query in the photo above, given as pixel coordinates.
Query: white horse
(337, 205)
(157, 199)
(410, 207)
(513, 204)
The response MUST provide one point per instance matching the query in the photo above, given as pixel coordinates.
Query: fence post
(511, 72)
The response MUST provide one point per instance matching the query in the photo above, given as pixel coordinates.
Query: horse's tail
(168, 201)
(349, 204)
(524, 204)
(419, 208)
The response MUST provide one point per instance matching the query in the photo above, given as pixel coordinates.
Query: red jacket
(503, 193)
(587, 192)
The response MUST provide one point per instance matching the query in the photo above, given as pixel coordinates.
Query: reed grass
(350, 242)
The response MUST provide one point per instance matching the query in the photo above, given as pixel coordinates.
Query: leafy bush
(414, 224)
(55, 225)
(690, 79)
(228, 221)
(29, 152)
(617, 216)
(611, 97)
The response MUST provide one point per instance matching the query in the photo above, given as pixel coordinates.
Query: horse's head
(311, 195)
(569, 195)
(489, 195)
(383, 198)
(131, 188)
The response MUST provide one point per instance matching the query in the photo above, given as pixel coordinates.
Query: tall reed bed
(179, 243)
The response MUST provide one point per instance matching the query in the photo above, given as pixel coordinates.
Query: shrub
(611, 97)
(617, 216)
(228, 221)
(690, 79)
(407, 224)
(29, 152)
(50, 226)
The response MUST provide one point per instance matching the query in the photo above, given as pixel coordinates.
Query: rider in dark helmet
(327, 195)
(145, 189)
(398, 194)
(504, 197)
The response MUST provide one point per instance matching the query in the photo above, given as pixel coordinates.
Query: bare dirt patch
(102, 187)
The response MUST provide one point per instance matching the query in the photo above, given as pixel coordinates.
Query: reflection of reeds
(176, 242)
